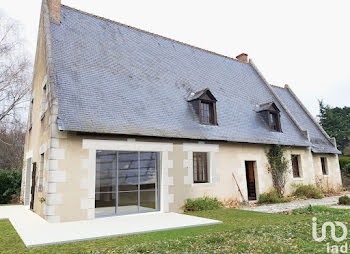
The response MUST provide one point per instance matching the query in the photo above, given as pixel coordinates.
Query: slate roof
(111, 78)
(320, 143)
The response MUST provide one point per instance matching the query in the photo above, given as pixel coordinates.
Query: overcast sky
(305, 44)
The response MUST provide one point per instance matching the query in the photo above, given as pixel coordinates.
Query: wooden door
(32, 190)
(249, 165)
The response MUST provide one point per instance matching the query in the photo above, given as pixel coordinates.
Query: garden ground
(241, 231)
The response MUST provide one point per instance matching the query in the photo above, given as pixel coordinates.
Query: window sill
(298, 178)
(326, 176)
(202, 184)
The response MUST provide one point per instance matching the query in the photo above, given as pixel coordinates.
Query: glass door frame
(157, 184)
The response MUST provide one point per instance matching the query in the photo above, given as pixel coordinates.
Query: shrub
(201, 204)
(307, 191)
(10, 185)
(344, 160)
(346, 169)
(344, 163)
(344, 200)
(272, 197)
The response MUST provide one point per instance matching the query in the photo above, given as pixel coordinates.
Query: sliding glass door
(126, 182)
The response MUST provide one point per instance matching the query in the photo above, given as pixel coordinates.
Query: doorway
(32, 190)
(250, 176)
(127, 182)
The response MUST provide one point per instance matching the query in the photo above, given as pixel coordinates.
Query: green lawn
(242, 232)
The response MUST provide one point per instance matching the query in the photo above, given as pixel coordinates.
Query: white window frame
(210, 149)
(301, 173)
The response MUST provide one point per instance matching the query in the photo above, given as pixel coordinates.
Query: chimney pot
(242, 57)
(54, 11)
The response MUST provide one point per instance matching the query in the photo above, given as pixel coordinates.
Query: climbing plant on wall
(278, 167)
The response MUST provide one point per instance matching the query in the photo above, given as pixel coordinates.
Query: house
(125, 121)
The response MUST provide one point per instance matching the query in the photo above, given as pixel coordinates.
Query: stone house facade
(125, 121)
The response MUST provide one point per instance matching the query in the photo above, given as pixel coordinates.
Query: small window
(41, 172)
(30, 120)
(274, 121)
(43, 102)
(200, 167)
(207, 113)
(296, 166)
(324, 166)
(204, 105)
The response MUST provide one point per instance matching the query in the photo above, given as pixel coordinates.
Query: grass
(241, 231)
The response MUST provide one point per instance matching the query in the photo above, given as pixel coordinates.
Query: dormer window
(274, 121)
(207, 113)
(204, 104)
(271, 115)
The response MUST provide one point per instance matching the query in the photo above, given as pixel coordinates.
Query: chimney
(55, 11)
(242, 58)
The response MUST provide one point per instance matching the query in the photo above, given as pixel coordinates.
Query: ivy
(278, 167)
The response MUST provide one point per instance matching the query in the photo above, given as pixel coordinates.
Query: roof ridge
(277, 86)
(150, 33)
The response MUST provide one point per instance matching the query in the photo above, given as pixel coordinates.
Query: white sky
(305, 44)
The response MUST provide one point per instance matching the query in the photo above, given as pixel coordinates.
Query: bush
(344, 200)
(344, 163)
(10, 185)
(346, 169)
(344, 160)
(272, 197)
(307, 191)
(201, 204)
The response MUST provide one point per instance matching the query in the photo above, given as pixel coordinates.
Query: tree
(12, 145)
(336, 122)
(15, 68)
(15, 76)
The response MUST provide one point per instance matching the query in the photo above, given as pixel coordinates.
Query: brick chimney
(54, 11)
(242, 58)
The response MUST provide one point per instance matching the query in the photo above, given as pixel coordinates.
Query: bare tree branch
(15, 69)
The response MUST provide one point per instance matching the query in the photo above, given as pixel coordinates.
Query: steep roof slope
(320, 142)
(115, 79)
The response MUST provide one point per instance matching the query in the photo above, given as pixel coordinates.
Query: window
(207, 113)
(204, 105)
(270, 113)
(200, 167)
(41, 172)
(324, 166)
(126, 182)
(43, 101)
(274, 121)
(31, 114)
(295, 166)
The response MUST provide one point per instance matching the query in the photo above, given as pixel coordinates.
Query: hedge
(10, 185)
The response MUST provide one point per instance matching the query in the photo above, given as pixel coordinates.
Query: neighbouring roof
(111, 78)
(320, 143)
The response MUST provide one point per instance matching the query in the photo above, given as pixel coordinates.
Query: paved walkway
(285, 207)
(36, 231)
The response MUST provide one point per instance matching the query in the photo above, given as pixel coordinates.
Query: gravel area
(285, 207)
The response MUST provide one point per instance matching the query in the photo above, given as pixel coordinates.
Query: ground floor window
(126, 182)
(200, 167)
(296, 166)
(324, 166)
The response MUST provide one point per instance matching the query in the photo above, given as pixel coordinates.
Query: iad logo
(324, 230)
